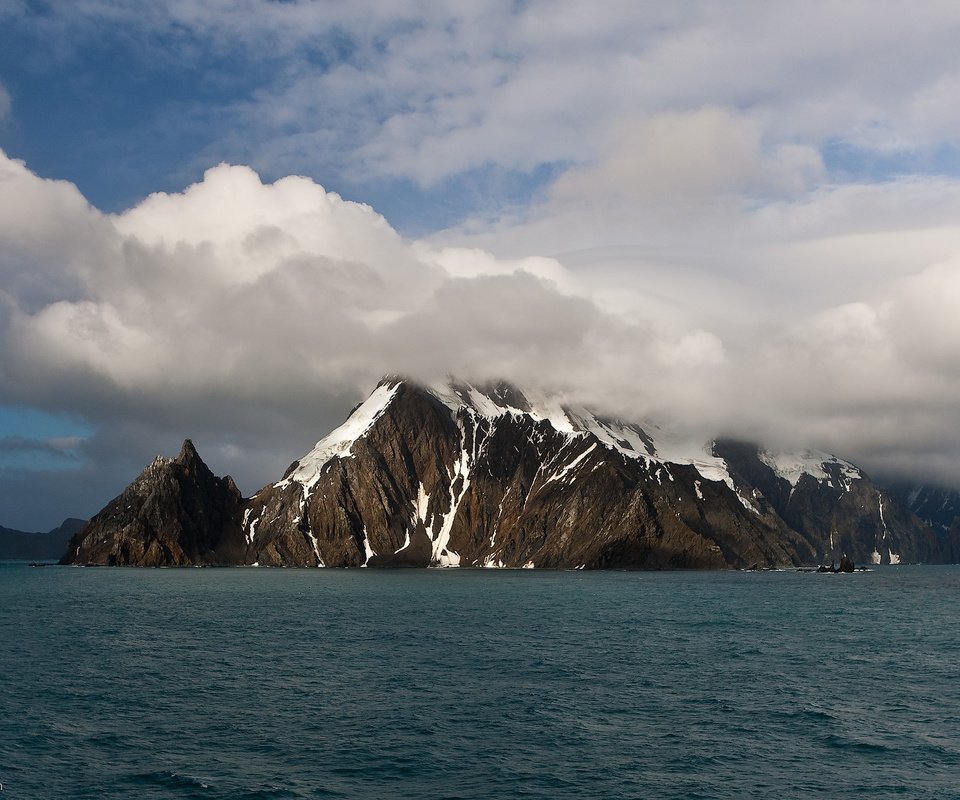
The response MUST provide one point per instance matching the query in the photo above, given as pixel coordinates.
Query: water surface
(257, 683)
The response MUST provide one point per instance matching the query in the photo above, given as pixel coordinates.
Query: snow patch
(250, 525)
(792, 465)
(485, 406)
(543, 407)
(696, 488)
(368, 551)
(496, 527)
(421, 505)
(540, 406)
(630, 440)
(562, 473)
(339, 442)
(747, 504)
(448, 558)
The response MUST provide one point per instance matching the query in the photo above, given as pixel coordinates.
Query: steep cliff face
(176, 513)
(460, 475)
(938, 507)
(490, 476)
(834, 506)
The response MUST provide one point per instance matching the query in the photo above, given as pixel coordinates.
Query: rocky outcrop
(176, 513)
(846, 565)
(490, 476)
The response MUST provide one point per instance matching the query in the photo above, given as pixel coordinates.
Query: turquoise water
(247, 683)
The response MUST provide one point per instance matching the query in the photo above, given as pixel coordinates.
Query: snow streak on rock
(892, 557)
(338, 444)
(368, 551)
(459, 483)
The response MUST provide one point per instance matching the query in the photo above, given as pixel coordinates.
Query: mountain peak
(176, 512)
(188, 453)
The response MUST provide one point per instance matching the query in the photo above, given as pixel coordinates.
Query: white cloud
(242, 288)
(691, 157)
(921, 316)
(245, 313)
(237, 307)
(428, 90)
(50, 236)
(546, 84)
(795, 309)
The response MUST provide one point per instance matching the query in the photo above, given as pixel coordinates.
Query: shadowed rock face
(176, 513)
(486, 477)
(937, 507)
(837, 514)
(428, 483)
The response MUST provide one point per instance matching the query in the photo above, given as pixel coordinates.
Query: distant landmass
(936, 506)
(490, 475)
(49, 546)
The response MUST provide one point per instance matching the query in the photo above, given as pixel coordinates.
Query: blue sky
(154, 100)
(741, 215)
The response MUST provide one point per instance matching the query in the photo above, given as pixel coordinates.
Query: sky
(226, 220)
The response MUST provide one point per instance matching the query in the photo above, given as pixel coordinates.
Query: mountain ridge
(458, 474)
(44, 545)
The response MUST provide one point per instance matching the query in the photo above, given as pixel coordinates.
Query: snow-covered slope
(640, 440)
(338, 442)
(644, 441)
(792, 465)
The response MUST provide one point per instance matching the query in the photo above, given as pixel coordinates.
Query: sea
(445, 683)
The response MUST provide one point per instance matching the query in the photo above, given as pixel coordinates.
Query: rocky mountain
(25, 546)
(834, 505)
(176, 513)
(939, 508)
(491, 476)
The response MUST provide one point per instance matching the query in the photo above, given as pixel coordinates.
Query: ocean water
(257, 683)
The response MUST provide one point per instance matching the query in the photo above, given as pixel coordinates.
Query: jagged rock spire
(177, 512)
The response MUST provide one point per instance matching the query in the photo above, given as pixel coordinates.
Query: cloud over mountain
(741, 217)
(243, 309)
(245, 312)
